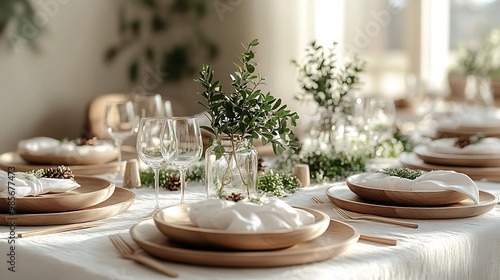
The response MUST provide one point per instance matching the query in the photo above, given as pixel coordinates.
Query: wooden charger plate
(402, 197)
(343, 197)
(71, 159)
(465, 131)
(92, 191)
(474, 160)
(411, 160)
(336, 239)
(13, 159)
(119, 201)
(174, 223)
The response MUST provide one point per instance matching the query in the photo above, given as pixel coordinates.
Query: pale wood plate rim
(336, 239)
(343, 197)
(118, 202)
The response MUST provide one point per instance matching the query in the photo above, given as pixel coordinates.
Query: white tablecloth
(439, 249)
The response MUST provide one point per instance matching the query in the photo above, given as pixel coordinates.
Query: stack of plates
(94, 200)
(170, 235)
(432, 204)
(84, 165)
(476, 166)
(464, 130)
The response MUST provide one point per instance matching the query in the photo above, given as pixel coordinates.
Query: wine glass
(188, 146)
(147, 105)
(149, 148)
(379, 118)
(119, 121)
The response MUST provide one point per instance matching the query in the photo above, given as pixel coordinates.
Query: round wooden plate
(174, 223)
(343, 197)
(92, 191)
(13, 159)
(402, 197)
(336, 239)
(411, 160)
(486, 160)
(71, 159)
(465, 131)
(119, 201)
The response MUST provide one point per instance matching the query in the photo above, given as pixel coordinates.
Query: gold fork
(139, 256)
(317, 200)
(346, 216)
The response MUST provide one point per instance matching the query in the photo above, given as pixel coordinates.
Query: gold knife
(59, 229)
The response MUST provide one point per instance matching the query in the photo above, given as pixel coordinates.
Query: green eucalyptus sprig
(246, 112)
(403, 172)
(321, 78)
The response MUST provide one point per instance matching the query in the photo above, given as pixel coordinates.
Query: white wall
(46, 93)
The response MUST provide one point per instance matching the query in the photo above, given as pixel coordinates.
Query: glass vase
(478, 92)
(234, 175)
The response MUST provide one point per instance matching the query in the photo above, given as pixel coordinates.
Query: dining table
(459, 248)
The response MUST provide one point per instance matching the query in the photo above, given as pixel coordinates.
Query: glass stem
(157, 188)
(118, 144)
(182, 176)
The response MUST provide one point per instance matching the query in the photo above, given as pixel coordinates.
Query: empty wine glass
(119, 121)
(148, 105)
(380, 118)
(188, 146)
(149, 148)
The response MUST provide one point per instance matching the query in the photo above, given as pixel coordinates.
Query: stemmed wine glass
(147, 105)
(380, 118)
(149, 147)
(188, 146)
(119, 121)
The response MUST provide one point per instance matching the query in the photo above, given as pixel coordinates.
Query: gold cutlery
(347, 216)
(317, 200)
(378, 239)
(127, 252)
(58, 229)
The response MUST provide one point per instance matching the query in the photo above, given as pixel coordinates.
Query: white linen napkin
(488, 145)
(247, 216)
(49, 146)
(26, 184)
(432, 180)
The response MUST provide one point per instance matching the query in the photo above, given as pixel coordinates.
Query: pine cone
(173, 182)
(235, 197)
(462, 142)
(261, 168)
(61, 172)
(88, 142)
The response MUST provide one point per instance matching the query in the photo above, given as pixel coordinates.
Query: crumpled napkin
(49, 146)
(486, 146)
(247, 216)
(432, 180)
(472, 118)
(26, 184)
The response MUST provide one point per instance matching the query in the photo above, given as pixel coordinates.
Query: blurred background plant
(165, 20)
(14, 15)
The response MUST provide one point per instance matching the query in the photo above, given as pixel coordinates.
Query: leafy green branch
(322, 79)
(246, 112)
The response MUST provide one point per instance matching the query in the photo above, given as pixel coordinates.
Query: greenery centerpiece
(237, 118)
(329, 84)
(480, 63)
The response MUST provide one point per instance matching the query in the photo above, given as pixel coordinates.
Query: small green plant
(278, 184)
(321, 78)
(483, 59)
(246, 112)
(403, 172)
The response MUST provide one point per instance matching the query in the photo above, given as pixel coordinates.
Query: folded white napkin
(486, 146)
(26, 184)
(472, 118)
(49, 146)
(432, 180)
(247, 216)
